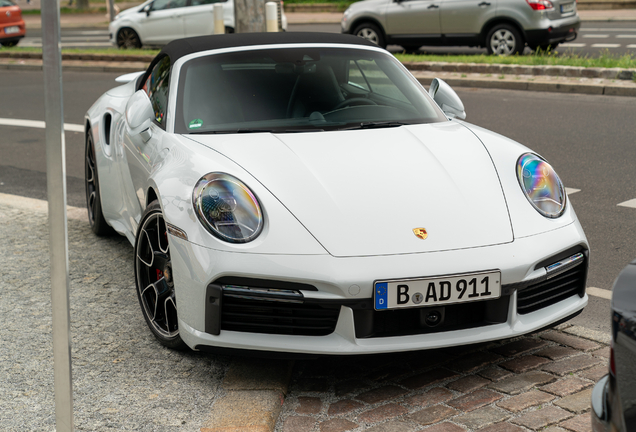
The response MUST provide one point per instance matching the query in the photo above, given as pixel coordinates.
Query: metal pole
(111, 10)
(58, 235)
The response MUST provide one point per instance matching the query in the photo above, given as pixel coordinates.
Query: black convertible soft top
(183, 47)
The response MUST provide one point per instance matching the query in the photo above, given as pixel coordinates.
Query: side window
(156, 86)
(168, 4)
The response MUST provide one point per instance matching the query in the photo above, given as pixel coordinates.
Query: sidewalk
(123, 379)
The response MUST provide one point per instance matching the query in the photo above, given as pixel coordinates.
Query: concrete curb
(514, 84)
(255, 389)
(512, 69)
(258, 384)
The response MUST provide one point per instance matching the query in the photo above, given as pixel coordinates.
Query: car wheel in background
(128, 38)
(504, 39)
(98, 224)
(370, 32)
(153, 277)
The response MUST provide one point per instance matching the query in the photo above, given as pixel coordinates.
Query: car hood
(363, 192)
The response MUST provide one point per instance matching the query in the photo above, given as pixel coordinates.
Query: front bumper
(348, 284)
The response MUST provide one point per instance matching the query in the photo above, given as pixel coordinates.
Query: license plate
(11, 30)
(567, 8)
(435, 291)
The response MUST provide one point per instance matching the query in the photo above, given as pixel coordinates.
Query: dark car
(614, 396)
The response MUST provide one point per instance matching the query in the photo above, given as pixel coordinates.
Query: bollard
(271, 16)
(219, 24)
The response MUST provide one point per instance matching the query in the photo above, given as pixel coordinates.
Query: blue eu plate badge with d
(381, 295)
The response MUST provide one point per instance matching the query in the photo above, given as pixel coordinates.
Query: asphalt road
(589, 139)
(594, 39)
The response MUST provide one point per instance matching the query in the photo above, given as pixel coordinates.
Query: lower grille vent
(272, 317)
(551, 291)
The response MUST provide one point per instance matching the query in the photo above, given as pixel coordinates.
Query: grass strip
(97, 51)
(604, 60)
(550, 58)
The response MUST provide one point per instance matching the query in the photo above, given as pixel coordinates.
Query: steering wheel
(353, 102)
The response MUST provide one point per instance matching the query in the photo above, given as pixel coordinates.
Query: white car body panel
(332, 175)
(338, 208)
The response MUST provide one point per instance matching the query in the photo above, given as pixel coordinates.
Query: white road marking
(598, 292)
(606, 45)
(608, 29)
(625, 36)
(631, 203)
(599, 36)
(75, 44)
(571, 191)
(573, 45)
(631, 46)
(70, 127)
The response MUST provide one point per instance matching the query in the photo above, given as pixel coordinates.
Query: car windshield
(6, 3)
(298, 90)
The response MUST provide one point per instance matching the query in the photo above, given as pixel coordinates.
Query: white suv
(157, 22)
(502, 26)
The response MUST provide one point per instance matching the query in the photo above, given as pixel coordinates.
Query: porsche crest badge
(420, 233)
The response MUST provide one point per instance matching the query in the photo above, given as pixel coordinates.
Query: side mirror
(147, 8)
(139, 114)
(447, 99)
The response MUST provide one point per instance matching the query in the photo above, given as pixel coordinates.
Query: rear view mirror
(447, 99)
(139, 114)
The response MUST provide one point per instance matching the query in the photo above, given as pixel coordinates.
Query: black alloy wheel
(98, 224)
(153, 277)
(128, 38)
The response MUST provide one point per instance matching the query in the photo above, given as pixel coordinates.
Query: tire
(128, 38)
(9, 44)
(98, 224)
(504, 39)
(153, 278)
(370, 32)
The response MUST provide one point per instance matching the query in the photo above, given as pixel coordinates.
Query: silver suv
(504, 27)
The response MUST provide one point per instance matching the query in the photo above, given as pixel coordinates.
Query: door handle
(483, 4)
(433, 6)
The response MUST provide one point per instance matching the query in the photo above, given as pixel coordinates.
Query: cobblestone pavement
(123, 379)
(537, 382)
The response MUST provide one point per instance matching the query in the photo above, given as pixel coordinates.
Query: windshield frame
(179, 82)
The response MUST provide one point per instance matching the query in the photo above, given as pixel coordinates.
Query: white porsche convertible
(303, 193)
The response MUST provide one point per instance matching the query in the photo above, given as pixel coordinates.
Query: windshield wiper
(376, 124)
(231, 131)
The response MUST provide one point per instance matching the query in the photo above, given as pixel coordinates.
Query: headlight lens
(227, 208)
(542, 185)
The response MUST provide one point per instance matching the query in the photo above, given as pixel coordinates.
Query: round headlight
(541, 184)
(227, 208)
